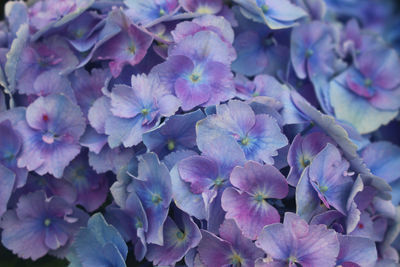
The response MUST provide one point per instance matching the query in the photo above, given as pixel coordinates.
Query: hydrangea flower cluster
(201, 132)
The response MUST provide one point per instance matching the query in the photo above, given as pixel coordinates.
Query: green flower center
(323, 188)
(156, 199)
(265, 8)
(47, 222)
(368, 82)
(162, 12)
(259, 197)
(309, 53)
(195, 77)
(171, 145)
(181, 236)
(219, 181)
(236, 260)
(245, 141)
(132, 49)
(138, 224)
(304, 162)
(145, 111)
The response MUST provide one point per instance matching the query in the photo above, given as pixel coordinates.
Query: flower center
(368, 82)
(132, 49)
(138, 224)
(304, 162)
(265, 8)
(181, 236)
(47, 222)
(219, 181)
(309, 53)
(323, 188)
(292, 260)
(259, 197)
(156, 199)
(171, 145)
(145, 111)
(245, 141)
(195, 77)
(236, 260)
(162, 12)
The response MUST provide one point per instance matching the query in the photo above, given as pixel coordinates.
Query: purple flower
(259, 47)
(178, 239)
(202, 6)
(248, 206)
(147, 11)
(52, 54)
(301, 153)
(296, 242)
(356, 250)
(137, 109)
(50, 135)
(99, 244)
(312, 50)
(325, 180)
(44, 13)
(197, 70)
(231, 248)
(208, 175)
(216, 24)
(127, 47)
(259, 136)
(383, 158)
(87, 86)
(277, 15)
(39, 225)
(153, 187)
(177, 133)
(348, 105)
(10, 149)
(375, 78)
(92, 188)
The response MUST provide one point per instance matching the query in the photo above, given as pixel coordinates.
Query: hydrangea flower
(202, 6)
(46, 12)
(129, 46)
(39, 225)
(208, 174)
(372, 86)
(313, 50)
(249, 205)
(277, 15)
(259, 47)
(92, 188)
(197, 70)
(326, 180)
(177, 241)
(231, 248)
(301, 153)
(259, 136)
(100, 244)
(145, 12)
(50, 135)
(37, 59)
(153, 187)
(177, 133)
(10, 175)
(137, 109)
(295, 242)
(87, 86)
